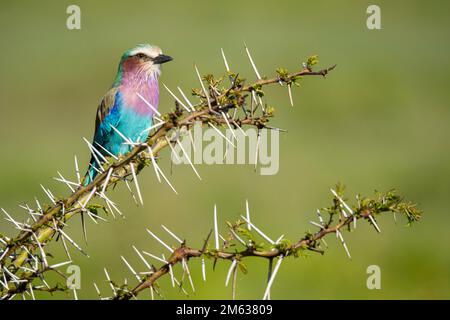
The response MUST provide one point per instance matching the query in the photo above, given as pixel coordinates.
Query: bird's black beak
(162, 58)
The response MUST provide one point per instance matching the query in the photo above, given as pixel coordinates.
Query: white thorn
(290, 95)
(154, 257)
(223, 136)
(339, 234)
(108, 152)
(109, 281)
(121, 134)
(43, 255)
(142, 258)
(247, 210)
(272, 278)
(185, 98)
(136, 183)
(89, 197)
(160, 241)
(230, 270)
(172, 149)
(349, 210)
(253, 64)
(374, 223)
(203, 87)
(228, 124)
(177, 99)
(48, 194)
(105, 184)
(131, 268)
(316, 224)
(77, 170)
(188, 159)
(262, 234)
(216, 229)
(155, 165)
(172, 234)
(186, 268)
(149, 104)
(59, 264)
(225, 60)
(203, 270)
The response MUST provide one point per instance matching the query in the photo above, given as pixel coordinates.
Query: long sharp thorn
(257, 149)
(374, 223)
(343, 243)
(172, 234)
(247, 210)
(186, 99)
(220, 133)
(225, 60)
(172, 149)
(252, 63)
(121, 135)
(77, 170)
(290, 95)
(57, 265)
(154, 257)
(188, 159)
(225, 117)
(203, 87)
(160, 241)
(43, 255)
(203, 270)
(72, 242)
(186, 267)
(149, 104)
(83, 225)
(272, 278)
(177, 99)
(105, 184)
(89, 197)
(11, 219)
(131, 268)
(230, 271)
(97, 290)
(142, 258)
(94, 149)
(107, 151)
(316, 224)
(192, 140)
(136, 183)
(172, 278)
(110, 282)
(155, 166)
(48, 194)
(262, 234)
(237, 237)
(320, 217)
(167, 180)
(216, 229)
(65, 181)
(349, 210)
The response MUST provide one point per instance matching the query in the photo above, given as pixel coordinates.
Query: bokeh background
(380, 121)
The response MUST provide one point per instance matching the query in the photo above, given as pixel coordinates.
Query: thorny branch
(340, 217)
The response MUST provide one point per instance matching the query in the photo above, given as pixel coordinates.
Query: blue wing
(107, 115)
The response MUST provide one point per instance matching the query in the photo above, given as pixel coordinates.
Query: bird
(128, 107)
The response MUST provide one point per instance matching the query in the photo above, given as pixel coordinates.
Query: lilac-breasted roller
(129, 105)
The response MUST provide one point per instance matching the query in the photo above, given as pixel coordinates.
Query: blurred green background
(379, 121)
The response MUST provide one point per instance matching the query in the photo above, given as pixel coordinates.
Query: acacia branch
(366, 209)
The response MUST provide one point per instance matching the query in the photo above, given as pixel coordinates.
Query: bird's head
(144, 58)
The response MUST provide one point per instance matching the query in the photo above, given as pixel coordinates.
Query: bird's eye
(141, 56)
